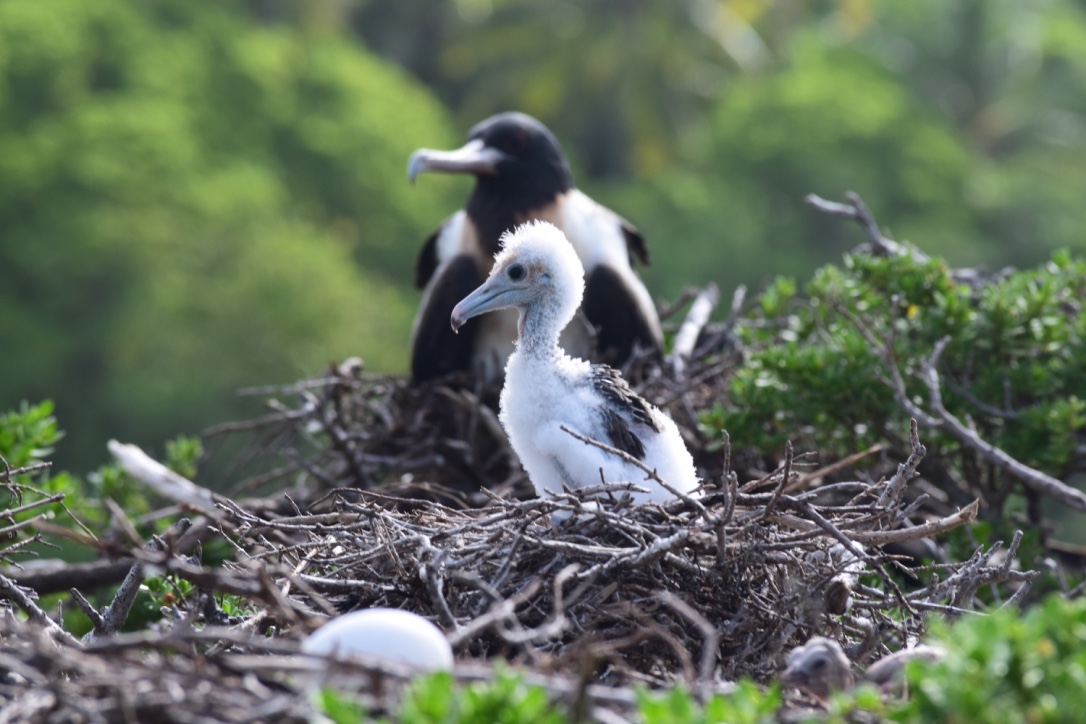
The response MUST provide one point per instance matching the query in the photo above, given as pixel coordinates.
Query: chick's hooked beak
(491, 295)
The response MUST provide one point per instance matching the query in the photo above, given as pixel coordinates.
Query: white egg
(383, 633)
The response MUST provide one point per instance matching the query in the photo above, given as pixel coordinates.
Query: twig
(785, 479)
(856, 210)
(895, 489)
(710, 645)
(843, 463)
(22, 599)
(901, 535)
(652, 474)
(696, 319)
(113, 616)
(164, 481)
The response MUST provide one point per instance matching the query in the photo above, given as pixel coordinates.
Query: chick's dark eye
(516, 272)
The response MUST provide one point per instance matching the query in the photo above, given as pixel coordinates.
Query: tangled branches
(611, 596)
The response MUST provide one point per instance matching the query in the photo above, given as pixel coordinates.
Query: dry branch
(1033, 479)
(696, 319)
(162, 480)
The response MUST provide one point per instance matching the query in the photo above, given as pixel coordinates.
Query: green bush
(1006, 667)
(437, 699)
(28, 437)
(1015, 365)
(747, 704)
(1010, 666)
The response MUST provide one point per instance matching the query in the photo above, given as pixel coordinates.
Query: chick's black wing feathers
(622, 437)
(622, 407)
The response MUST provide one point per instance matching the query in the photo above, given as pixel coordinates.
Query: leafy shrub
(748, 704)
(1010, 666)
(28, 437)
(1015, 364)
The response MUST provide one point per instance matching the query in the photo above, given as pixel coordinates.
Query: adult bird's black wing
(617, 315)
(615, 299)
(435, 349)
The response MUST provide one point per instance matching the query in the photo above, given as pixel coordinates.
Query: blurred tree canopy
(962, 122)
(190, 203)
(196, 197)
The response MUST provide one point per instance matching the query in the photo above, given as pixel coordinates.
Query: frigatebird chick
(538, 274)
(821, 667)
(521, 174)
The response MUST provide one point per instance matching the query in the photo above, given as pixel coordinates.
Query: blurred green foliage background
(202, 196)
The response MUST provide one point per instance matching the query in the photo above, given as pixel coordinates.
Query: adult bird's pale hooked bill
(538, 274)
(521, 174)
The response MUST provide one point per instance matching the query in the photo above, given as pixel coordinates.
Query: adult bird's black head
(518, 165)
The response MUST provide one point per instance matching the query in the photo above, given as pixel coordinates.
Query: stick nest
(410, 497)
